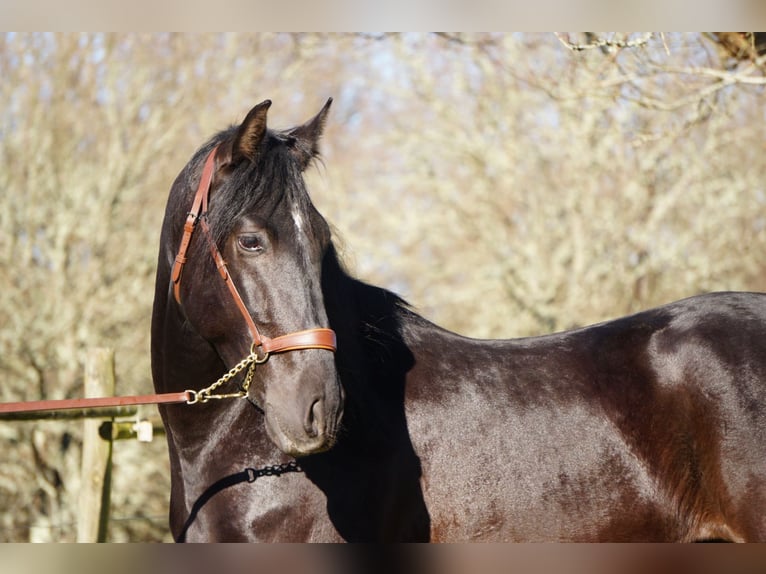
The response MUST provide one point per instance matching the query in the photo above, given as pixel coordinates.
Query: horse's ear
(247, 141)
(307, 136)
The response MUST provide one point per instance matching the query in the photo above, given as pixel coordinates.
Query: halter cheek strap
(199, 207)
(318, 338)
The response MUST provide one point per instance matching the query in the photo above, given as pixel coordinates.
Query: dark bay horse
(647, 428)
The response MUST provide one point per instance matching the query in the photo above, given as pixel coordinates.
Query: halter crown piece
(318, 338)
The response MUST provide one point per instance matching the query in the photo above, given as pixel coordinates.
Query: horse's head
(272, 240)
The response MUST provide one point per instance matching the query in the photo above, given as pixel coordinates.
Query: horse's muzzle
(312, 430)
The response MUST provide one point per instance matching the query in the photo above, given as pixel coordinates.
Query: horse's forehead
(290, 212)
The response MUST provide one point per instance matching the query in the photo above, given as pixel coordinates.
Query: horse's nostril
(314, 425)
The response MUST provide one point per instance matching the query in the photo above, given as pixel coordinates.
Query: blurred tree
(566, 187)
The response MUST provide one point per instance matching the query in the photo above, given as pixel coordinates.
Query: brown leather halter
(318, 338)
(309, 339)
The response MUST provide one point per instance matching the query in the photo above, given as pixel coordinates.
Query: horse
(348, 416)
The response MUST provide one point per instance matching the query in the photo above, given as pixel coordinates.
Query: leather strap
(199, 206)
(224, 272)
(64, 404)
(309, 339)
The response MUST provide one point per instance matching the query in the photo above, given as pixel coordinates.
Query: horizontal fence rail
(100, 430)
(71, 414)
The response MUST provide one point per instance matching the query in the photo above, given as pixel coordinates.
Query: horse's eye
(250, 243)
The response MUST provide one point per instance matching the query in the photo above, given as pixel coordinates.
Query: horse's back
(649, 427)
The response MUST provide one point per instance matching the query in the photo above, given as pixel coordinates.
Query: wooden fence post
(93, 511)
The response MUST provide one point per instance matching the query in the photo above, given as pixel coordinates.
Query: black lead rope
(247, 475)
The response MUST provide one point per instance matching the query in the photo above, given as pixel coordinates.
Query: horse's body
(650, 427)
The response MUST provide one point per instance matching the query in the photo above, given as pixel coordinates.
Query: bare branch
(604, 43)
(727, 77)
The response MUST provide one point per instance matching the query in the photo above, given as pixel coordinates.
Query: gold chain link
(206, 394)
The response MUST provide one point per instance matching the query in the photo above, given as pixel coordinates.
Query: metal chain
(274, 470)
(206, 394)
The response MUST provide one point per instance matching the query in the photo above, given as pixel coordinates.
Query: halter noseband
(309, 339)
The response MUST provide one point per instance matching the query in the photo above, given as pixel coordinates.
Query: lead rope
(249, 362)
(248, 475)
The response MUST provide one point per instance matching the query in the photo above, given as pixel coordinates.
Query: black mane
(252, 187)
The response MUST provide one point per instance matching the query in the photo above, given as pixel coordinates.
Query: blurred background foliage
(505, 184)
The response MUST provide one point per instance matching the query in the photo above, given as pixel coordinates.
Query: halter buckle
(258, 359)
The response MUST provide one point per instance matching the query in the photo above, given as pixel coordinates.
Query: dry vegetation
(506, 185)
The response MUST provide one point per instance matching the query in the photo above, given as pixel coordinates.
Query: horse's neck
(181, 359)
(380, 342)
(379, 328)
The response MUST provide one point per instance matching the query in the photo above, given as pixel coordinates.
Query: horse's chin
(296, 444)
